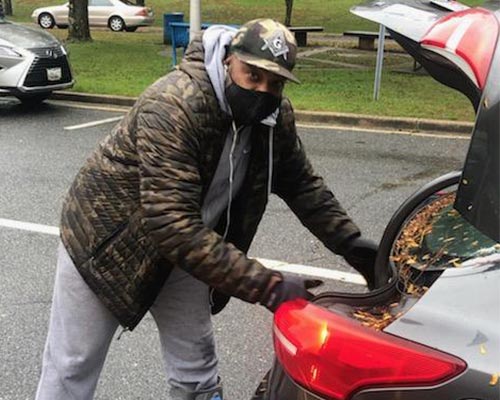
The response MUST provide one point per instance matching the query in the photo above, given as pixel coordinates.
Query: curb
(386, 123)
(313, 117)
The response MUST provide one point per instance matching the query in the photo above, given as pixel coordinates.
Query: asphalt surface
(370, 172)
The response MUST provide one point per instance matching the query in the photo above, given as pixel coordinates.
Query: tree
(288, 16)
(7, 7)
(79, 21)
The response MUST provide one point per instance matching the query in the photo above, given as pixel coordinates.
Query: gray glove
(361, 253)
(290, 288)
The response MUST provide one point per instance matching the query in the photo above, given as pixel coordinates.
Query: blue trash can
(167, 18)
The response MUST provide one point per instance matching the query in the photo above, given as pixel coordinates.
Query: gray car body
(459, 315)
(460, 312)
(21, 36)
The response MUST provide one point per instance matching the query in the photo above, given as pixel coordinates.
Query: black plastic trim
(385, 272)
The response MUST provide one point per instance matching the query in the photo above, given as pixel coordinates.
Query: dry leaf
(407, 261)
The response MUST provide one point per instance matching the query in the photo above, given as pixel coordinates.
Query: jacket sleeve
(306, 193)
(170, 190)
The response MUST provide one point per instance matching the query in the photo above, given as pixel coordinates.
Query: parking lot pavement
(371, 173)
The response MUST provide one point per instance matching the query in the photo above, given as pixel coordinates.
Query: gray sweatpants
(81, 330)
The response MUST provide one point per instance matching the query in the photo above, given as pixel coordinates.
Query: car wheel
(131, 28)
(33, 99)
(46, 21)
(116, 24)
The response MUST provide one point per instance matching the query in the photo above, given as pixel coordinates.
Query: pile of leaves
(409, 264)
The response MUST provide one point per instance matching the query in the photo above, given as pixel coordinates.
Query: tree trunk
(78, 21)
(140, 3)
(7, 7)
(288, 17)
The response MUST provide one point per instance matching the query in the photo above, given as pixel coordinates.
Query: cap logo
(276, 44)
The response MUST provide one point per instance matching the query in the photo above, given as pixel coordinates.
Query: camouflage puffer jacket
(133, 211)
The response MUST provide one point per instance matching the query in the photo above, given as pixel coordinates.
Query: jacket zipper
(109, 238)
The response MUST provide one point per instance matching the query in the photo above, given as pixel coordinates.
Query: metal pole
(380, 61)
(194, 18)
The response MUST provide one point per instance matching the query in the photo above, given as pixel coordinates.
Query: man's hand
(361, 253)
(290, 288)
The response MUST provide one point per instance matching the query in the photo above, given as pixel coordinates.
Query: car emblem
(50, 53)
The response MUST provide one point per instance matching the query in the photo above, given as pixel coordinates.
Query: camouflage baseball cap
(267, 44)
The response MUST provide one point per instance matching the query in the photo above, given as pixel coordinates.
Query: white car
(117, 15)
(33, 63)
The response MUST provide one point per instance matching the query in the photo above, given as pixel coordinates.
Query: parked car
(117, 15)
(33, 63)
(431, 329)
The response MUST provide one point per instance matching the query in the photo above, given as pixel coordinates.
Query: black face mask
(249, 106)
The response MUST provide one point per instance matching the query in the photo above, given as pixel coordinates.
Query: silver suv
(33, 63)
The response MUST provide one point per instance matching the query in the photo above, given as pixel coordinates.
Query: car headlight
(8, 52)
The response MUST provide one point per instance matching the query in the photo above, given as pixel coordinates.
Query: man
(167, 207)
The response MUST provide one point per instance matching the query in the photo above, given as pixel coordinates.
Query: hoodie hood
(216, 40)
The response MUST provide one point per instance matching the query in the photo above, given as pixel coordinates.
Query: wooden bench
(366, 39)
(301, 32)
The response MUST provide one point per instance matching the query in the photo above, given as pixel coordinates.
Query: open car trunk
(425, 237)
(430, 232)
(439, 257)
(452, 49)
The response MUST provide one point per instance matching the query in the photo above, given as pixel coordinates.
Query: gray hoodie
(233, 162)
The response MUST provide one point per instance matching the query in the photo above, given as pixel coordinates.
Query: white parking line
(93, 123)
(90, 106)
(322, 273)
(28, 226)
(313, 271)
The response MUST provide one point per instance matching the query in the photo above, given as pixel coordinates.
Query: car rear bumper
(277, 385)
(139, 21)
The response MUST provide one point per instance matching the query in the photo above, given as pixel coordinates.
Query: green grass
(401, 94)
(333, 15)
(117, 63)
(126, 63)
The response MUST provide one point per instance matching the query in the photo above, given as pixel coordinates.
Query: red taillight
(334, 356)
(143, 12)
